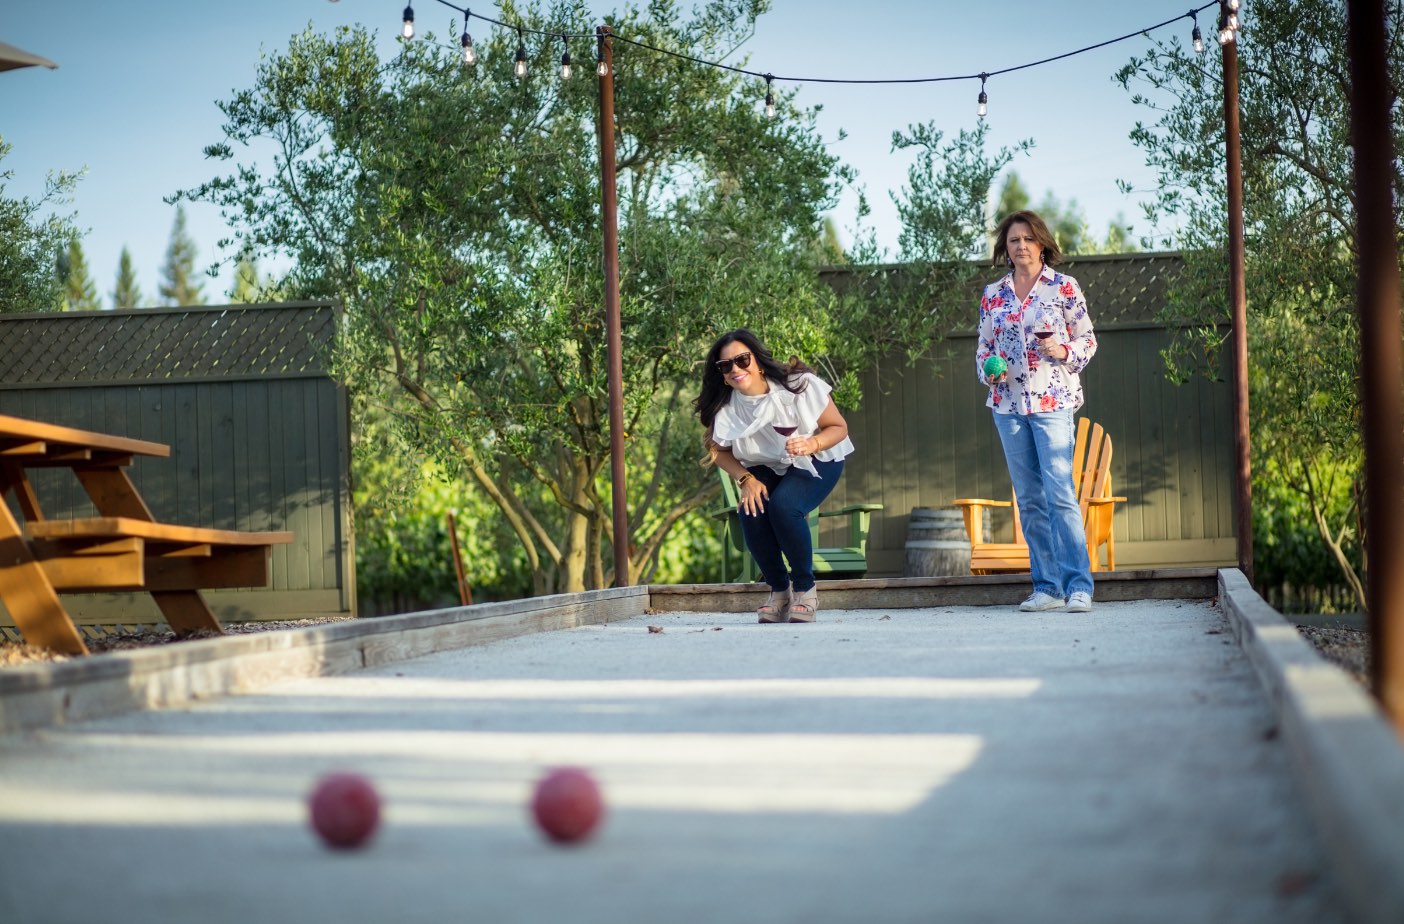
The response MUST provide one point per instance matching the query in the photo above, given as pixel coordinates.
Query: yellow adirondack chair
(850, 561)
(1092, 455)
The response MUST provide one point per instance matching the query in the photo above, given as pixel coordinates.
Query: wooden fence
(259, 435)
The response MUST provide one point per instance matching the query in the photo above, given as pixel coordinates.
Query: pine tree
(179, 285)
(247, 287)
(127, 294)
(79, 291)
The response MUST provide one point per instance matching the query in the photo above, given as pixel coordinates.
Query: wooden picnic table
(122, 549)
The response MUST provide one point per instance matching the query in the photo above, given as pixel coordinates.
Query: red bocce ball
(344, 809)
(567, 805)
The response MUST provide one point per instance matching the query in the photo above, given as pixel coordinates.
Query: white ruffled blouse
(744, 425)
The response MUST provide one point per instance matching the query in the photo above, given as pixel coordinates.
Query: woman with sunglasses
(774, 429)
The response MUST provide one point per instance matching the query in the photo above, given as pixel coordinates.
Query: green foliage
(908, 310)
(455, 215)
(247, 289)
(179, 285)
(404, 556)
(1286, 541)
(1301, 250)
(33, 240)
(126, 294)
(79, 292)
(942, 207)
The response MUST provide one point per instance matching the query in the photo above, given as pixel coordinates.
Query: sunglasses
(741, 359)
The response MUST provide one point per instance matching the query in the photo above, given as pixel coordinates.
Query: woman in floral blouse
(1036, 320)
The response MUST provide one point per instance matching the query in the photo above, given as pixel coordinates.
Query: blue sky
(133, 99)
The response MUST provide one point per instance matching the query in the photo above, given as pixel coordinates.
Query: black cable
(838, 80)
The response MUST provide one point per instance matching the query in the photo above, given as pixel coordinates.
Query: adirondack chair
(1092, 454)
(850, 561)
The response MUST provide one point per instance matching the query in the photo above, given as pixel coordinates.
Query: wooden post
(1378, 305)
(465, 593)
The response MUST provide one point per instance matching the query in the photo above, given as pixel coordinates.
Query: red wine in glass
(785, 431)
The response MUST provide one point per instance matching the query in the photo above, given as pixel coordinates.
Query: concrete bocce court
(923, 753)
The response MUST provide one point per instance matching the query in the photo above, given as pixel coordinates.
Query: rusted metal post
(609, 219)
(1238, 308)
(1378, 305)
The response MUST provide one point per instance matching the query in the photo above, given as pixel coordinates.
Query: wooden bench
(124, 549)
(849, 561)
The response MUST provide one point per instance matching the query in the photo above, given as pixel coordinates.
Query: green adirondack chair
(850, 561)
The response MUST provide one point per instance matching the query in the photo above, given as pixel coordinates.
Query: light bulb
(602, 68)
(408, 31)
(1232, 5)
(982, 108)
(1233, 22)
(1225, 35)
(1198, 41)
(470, 57)
(769, 106)
(566, 69)
(519, 67)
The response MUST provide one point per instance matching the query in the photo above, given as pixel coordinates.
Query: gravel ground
(12, 652)
(1348, 649)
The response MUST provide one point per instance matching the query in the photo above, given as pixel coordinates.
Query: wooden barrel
(936, 543)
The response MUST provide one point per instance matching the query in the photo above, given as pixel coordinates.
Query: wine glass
(785, 423)
(1044, 328)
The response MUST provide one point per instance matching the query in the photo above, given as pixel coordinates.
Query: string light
(470, 57)
(1229, 24)
(519, 66)
(1225, 33)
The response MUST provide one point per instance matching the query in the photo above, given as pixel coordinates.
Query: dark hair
(1052, 255)
(715, 391)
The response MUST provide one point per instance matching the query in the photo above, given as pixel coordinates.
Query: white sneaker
(1039, 601)
(1080, 602)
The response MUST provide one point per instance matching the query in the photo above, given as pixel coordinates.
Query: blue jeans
(1038, 449)
(783, 527)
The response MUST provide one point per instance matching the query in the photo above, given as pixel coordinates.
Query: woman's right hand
(754, 494)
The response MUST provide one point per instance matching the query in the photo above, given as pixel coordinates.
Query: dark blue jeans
(783, 527)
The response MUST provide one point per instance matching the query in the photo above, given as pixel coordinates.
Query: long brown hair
(716, 393)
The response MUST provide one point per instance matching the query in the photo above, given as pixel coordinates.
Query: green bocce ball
(995, 366)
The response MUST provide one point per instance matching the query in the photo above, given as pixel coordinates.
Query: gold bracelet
(741, 482)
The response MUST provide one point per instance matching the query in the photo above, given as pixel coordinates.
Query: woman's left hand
(802, 445)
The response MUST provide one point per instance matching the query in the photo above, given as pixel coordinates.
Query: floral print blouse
(1007, 328)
